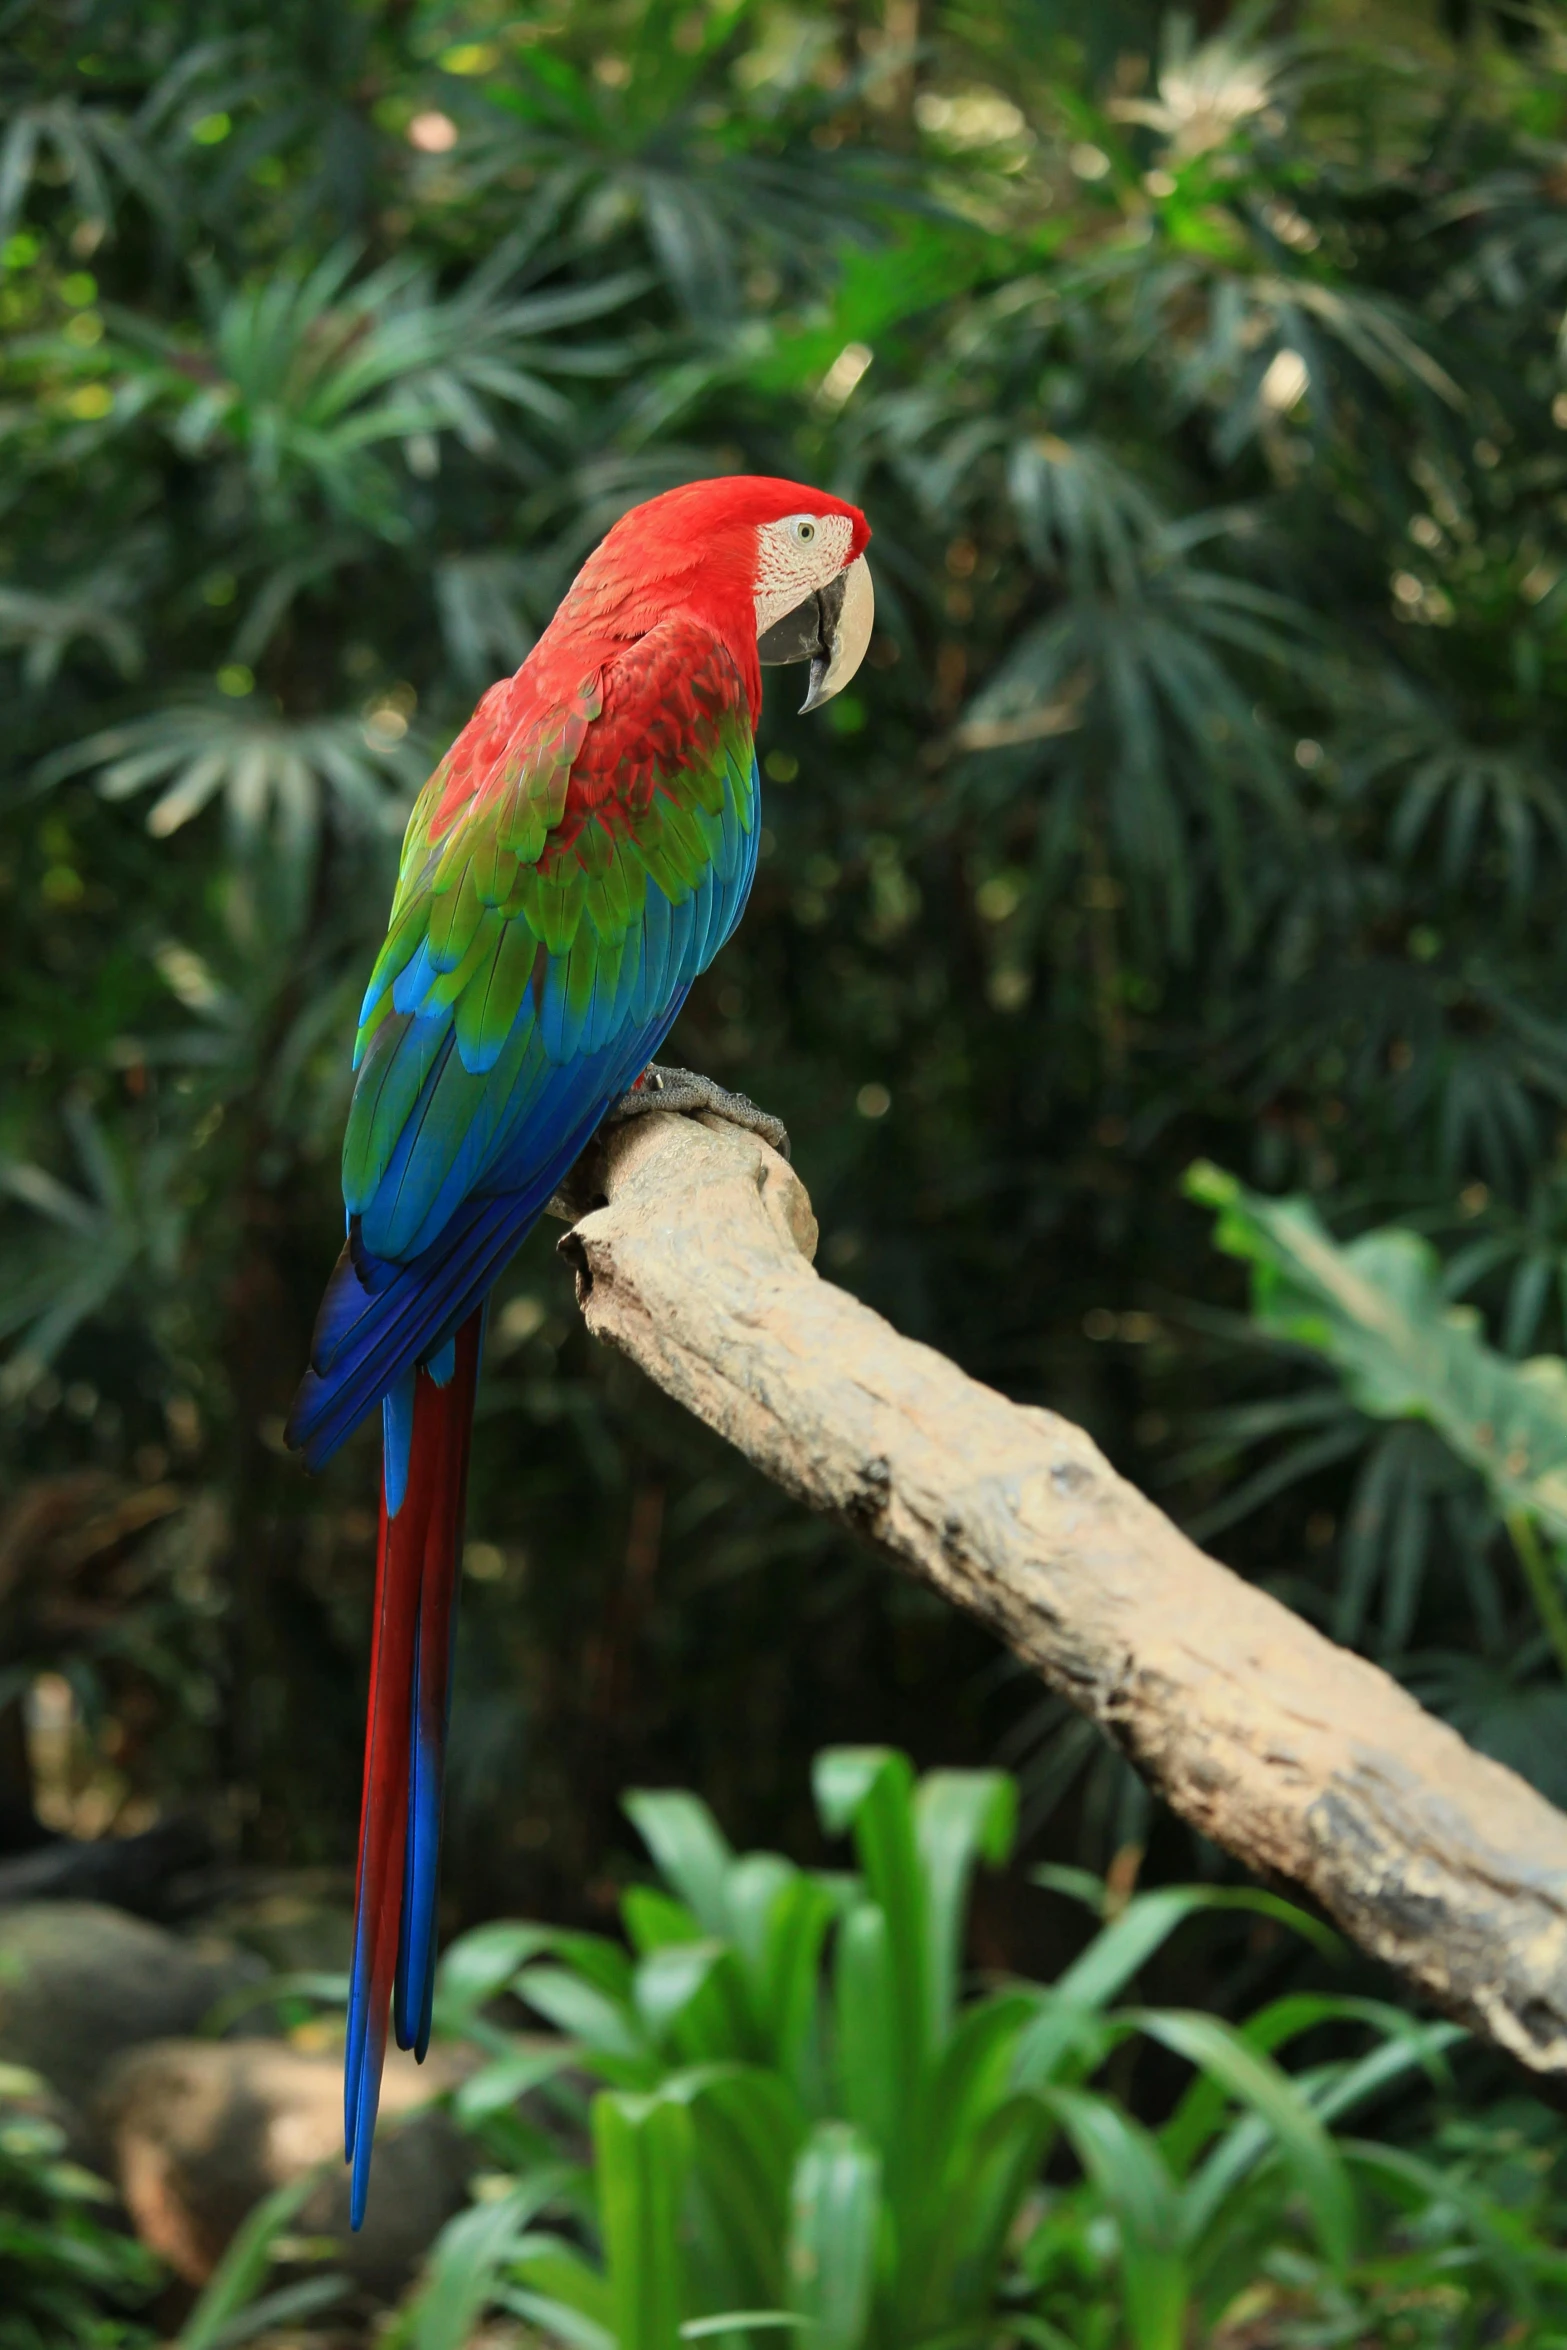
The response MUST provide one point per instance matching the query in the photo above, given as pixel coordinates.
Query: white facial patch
(795, 557)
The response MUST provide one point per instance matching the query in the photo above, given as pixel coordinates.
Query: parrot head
(776, 567)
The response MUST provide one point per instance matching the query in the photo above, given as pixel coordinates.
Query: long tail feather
(433, 1693)
(424, 1483)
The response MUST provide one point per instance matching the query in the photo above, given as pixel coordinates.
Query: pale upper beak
(831, 630)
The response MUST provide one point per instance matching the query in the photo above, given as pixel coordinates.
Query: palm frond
(120, 1227)
(96, 609)
(308, 376)
(274, 775)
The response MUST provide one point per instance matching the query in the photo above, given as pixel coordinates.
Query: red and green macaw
(579, 856)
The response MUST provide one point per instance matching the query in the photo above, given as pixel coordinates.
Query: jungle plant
(809, 2121)
(1456, 1442)
(69, 2278)
(238, 2300)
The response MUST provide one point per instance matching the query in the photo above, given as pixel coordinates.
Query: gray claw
(686, 1091)
(683, 1090)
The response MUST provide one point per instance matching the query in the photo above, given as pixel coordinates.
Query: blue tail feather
(397, 1436)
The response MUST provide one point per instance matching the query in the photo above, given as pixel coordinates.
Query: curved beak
(831, 630)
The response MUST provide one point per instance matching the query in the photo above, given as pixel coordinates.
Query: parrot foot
(682, 1090)
(687, 1092)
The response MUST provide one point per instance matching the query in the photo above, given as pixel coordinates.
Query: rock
(200, 2130)
(80, 1983)
(301, 1921)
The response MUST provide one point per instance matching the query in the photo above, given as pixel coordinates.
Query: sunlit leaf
(1376, 1309)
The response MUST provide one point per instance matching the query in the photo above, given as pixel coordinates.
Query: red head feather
(693, 549)
(732, 503)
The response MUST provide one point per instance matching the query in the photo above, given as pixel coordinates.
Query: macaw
(577, 858)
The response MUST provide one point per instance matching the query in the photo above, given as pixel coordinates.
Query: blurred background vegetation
(1202, 798)
(1192, 846)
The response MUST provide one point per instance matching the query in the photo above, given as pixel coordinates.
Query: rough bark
(1299, 1758)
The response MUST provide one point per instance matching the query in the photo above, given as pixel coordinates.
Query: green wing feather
(552, 904)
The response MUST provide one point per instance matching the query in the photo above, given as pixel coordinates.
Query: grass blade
(1128, 2170)
(240, 2274)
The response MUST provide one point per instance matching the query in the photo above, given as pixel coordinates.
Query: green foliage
(1379, 1311)
(69, 2278)
(235, 2305)
(1201, 794)
(808, 2122)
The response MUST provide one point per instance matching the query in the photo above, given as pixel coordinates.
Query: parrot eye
(802, 530)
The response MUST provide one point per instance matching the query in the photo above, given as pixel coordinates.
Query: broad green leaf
(868, 2053)
(1247, 2150)
(1250, 2077)
(869, 1790)
(1064, 2040)
(549, 2264)
(835, 2223)
(606, 2027)
(961, 1817)
(510, 2076)
(973, 2077)
(787, 1978)
(755, 1884)
(643, 2152)
(951, 2251)
(1126, 2167)
(741, 2321)
(553, 2287)
(466, 2262)
(691, 1999)
(1376, 1310)
(481, 1964)
(746, 2130)
(689, 1850)
(1241, 2171)
(653, 1919)
(979, 2151)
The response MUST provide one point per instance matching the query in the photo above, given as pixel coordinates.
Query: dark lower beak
(831, 630)
(806, 634)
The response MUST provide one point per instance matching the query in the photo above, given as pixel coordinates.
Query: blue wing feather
(464, 1157)
(384, 1314)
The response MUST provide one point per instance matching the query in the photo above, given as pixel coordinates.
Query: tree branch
(1296, 1756)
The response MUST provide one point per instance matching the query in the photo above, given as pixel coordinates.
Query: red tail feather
(405, 1741)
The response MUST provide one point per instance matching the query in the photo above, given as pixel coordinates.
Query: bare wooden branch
(1298, 1757)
